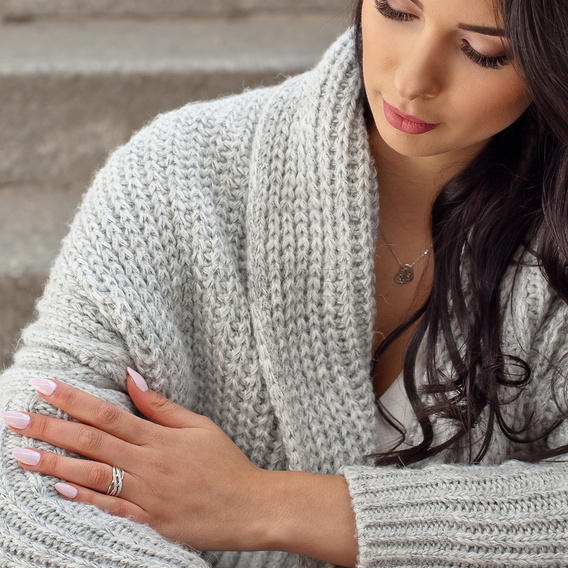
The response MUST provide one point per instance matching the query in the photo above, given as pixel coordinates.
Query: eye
(385, 10)
(483, 60)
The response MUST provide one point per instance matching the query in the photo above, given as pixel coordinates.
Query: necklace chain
(406, 272)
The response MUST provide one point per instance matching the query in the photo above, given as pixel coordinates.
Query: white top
(396, 404)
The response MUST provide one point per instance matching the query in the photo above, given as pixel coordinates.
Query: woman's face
(442, 62)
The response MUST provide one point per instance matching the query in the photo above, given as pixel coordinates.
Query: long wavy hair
(513, 196)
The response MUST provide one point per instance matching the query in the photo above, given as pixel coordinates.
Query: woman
(235, 253)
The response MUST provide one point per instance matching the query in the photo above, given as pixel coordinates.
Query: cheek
(497, 105)
(377, 71)
(379, 56)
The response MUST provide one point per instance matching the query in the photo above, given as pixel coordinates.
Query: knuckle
(89, 439)
(41, 426)
(97, 475)
(106, 414)
(205, 422)
(50, 463)
(150, 437)
(158, 465)
(122, 510)
(67, 396)
(160, 403)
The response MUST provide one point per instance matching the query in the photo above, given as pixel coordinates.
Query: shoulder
(230, 117)
(225, 127)
(186, 168)
(199, 135)
(535, 317)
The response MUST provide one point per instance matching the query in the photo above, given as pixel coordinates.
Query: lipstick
(406, 122)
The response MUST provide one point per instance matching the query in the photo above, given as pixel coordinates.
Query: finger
(112, 505)
(158, 408)
(78, 438)
(90, 474)
(92, 410)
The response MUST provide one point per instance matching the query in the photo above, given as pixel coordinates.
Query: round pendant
(405, 274)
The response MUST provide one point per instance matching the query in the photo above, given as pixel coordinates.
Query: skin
(422, 71)
(183, 475)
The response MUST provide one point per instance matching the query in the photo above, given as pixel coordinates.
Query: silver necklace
(406, 272)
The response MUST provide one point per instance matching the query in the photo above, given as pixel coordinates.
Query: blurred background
(78, 77)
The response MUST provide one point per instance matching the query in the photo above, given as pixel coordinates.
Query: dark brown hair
(514, 194)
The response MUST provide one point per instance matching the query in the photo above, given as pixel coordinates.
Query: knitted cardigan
(227, 252)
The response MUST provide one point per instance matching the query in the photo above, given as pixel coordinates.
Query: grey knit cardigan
(227, 253)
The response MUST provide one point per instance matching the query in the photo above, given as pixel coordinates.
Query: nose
(420, 73)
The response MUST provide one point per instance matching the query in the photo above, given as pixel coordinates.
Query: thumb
(157, 407)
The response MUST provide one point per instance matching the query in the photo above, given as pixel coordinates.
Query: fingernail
(138, 379)
(66, 490)
(29, 457)
(17, 420)
(44, 386)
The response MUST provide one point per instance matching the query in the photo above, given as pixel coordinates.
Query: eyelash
(385, 10)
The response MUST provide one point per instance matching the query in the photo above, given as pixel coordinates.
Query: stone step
(27, 10)
(32, 223)
(73, 91)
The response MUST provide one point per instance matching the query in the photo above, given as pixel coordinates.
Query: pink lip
(406, 122)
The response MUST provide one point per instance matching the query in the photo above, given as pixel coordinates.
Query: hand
(182, 475)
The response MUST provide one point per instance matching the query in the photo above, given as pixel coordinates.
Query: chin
(413, 148)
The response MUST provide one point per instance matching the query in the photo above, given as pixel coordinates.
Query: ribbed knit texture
(227, 252)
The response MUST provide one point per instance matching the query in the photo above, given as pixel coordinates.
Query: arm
(311, 515)
(514, 514)
(211, 495)
(500, 513)
(86, 334)
(185, 478)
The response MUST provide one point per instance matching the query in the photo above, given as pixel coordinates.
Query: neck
(408, 186)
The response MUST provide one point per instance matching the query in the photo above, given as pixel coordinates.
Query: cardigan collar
(312, 222)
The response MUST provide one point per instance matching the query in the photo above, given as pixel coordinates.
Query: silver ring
(115, 486)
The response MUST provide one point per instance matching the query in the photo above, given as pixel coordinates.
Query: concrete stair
(28, 10)
(78, 77)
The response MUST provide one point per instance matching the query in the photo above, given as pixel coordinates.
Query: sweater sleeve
(513, 514)
(509, 513)
(92, 321)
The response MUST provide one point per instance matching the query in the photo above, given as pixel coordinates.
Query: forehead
(465, 13)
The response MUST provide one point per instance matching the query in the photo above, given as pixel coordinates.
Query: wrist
(308, 514)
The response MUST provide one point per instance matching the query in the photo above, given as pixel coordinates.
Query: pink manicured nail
(17, 420)
(138, 379)
(29, 457)
(66, 490)
(44, 386)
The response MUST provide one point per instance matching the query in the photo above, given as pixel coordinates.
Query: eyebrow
(500, 32)
(485, 30)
